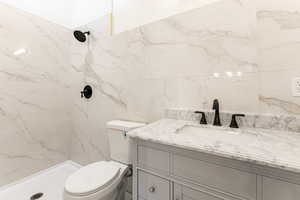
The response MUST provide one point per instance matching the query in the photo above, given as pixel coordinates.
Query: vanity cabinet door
(152, 187)
(280, 190)
(228, 180)
(185, 193)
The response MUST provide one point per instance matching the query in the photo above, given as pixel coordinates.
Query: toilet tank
(118, 139)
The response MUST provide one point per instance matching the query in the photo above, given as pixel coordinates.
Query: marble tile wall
(242, 52)
(278, 28)
(34, 94)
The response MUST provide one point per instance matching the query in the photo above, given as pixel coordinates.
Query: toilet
(104, 180)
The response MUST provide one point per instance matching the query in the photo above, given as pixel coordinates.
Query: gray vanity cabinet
(162, 172)
(279, 190)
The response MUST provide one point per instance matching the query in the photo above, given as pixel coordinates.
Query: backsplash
(251, 120)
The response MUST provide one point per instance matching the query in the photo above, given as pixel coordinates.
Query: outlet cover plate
(296, 87)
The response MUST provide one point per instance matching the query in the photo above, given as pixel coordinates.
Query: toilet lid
(92, 178)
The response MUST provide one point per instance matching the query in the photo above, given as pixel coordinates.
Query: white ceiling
(128, 14)
(69, 13)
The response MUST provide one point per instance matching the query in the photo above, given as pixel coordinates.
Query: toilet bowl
(104, 180)
(97, 181)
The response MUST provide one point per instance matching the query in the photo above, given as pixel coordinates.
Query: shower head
(81, 36)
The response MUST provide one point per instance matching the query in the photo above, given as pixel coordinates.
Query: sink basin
(197, 130)
(216, 137)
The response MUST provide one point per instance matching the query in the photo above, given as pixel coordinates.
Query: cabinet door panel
(280, 190)
(151, 187)
(222, 178)
(185, 193)
(153, 159)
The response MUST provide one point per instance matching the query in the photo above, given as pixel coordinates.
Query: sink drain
(36, 196)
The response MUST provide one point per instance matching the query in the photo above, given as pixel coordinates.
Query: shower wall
(34, 94)
(169, 63)
(242, 52)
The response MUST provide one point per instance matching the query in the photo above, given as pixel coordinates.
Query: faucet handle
(233, 123)
(203, 118)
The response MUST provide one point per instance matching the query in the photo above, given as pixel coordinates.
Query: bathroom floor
(50, 182)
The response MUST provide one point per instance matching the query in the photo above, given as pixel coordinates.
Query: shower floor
(50, 182)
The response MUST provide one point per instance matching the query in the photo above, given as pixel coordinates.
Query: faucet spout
(217, 121)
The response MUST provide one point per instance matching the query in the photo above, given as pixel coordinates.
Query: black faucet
(217, 121)
(203, 118)
(233, 123)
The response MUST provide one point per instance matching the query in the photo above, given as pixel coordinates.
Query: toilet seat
(92, 178)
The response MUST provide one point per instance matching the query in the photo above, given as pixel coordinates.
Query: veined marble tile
(34, 87)
(278, 39)
(288, 5)
(278, 29)
(222, 43)
(139, 73)
(236, 51)
(228, 50)
(276, 92)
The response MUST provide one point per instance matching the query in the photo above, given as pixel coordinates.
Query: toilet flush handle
(125, 133)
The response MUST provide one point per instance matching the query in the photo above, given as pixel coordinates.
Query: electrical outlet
(296, 87)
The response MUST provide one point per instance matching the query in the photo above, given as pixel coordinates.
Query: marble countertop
(278, 149)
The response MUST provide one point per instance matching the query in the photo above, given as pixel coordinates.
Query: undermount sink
(198, 130)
